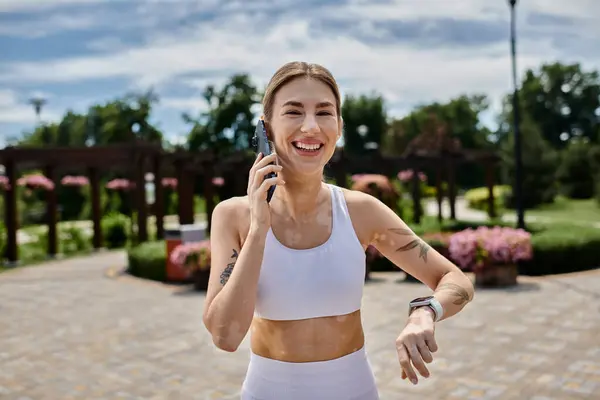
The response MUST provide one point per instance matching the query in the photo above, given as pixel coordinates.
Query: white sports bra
(326, 280)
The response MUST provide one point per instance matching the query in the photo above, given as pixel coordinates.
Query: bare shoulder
(234, 213)
(360, 207)
(370, 216)
(357, 200)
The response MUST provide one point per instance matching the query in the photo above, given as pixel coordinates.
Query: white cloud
(42, 5)
(47, 25)
(192, 105)
(239, 42)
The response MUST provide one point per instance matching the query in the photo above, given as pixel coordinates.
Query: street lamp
(37, 103)
(518, 160)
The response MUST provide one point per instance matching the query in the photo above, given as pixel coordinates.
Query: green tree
(121, 120)
(564, 100)
(365, 122)
(580, 163)
(539, 166)
(116, 121)
(461, 116)
(228, 124)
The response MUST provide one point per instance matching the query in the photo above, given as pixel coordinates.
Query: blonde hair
(298, 69)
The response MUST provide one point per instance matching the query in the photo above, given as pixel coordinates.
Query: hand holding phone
(262, 145)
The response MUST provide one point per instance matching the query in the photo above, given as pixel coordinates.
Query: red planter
(200, 279)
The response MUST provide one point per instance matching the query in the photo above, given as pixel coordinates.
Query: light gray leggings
(345, 378)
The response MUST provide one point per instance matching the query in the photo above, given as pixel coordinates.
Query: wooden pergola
(138, 158)
(235, 170)
(443, 162)
(135, 159)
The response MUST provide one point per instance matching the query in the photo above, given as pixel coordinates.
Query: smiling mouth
(313, 147)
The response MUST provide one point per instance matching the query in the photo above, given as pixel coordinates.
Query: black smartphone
(262, 145)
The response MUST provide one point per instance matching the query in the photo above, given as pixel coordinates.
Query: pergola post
(208, 192)
(159, 198)
(94, 178)
(140, 199)
(10, 211)
(439, 192)
(51, 212)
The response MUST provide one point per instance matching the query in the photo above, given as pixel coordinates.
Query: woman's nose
(310, 125)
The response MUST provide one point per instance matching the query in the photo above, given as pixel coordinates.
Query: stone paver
(69, 332)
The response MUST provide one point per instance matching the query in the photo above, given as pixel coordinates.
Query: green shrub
(74, 240)
(148, 260)
(431, 191)
(114, 230)
(562, 249)
(34, 251)
(459, 225)
(579, 165)
(2, 239)
(478, 198)
(598, 189)
(557, 248)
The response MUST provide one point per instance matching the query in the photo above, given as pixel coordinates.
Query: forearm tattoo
(462, 296)
(227, 271)
(414, 243)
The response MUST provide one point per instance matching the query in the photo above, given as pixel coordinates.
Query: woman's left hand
(416, 343)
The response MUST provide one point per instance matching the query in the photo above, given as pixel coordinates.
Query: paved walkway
(69, 332)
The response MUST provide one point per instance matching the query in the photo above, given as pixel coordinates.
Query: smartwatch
(430, 302)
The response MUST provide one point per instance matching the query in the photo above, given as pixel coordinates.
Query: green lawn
(565, 210)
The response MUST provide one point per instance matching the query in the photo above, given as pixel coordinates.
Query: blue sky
(79, 52)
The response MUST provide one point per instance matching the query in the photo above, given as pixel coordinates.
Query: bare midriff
(307, 340)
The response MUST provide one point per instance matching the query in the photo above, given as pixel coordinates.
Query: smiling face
(305, 125)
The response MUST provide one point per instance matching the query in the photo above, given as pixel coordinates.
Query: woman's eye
(294, 112)
(324, 113)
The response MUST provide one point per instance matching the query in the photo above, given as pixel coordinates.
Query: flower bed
(491, 253)
(194, 258)
(36, 181)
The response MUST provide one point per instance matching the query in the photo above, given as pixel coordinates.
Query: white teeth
(305, 146)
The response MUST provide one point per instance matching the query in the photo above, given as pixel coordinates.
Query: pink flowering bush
(218, 181)
(70, 180)
(36, 182)
(169, 182)
(120, 184)
(4, 182)
(192, 256)
(477, 248)
(407, 175)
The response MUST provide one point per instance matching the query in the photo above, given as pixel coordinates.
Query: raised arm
(235, 264)
(231, 293)
(397, 242)
(452, 288)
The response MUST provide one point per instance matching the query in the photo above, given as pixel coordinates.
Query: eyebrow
(292, 103)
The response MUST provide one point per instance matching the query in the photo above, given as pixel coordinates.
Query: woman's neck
(299, 195)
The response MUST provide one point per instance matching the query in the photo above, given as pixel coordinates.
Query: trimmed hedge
(556, 249)
(148, 260)
(559, 249)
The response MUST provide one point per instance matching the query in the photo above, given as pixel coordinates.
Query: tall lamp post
(38, 103)
(518, 158)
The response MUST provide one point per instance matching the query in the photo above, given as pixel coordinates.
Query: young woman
(292, 271)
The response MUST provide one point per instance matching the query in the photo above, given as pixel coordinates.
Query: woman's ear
(267, 128)
(341, 130)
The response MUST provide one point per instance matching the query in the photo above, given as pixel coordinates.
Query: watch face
(420, 299)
